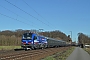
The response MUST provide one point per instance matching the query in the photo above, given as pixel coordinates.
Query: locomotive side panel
(33, 41)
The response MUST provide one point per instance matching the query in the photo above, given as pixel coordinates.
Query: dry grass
(61, 55)
(9, 47)
(87, 50)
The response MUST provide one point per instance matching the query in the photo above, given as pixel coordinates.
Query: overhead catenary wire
(37, 13)
(31, 7)
(16, 14)
(15, 19)
(27, 13)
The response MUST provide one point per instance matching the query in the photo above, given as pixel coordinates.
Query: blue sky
(63, 15)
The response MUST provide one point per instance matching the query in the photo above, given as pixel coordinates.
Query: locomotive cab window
(27, 36)
(35, 37)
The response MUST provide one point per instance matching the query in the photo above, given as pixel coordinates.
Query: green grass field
(9, 47)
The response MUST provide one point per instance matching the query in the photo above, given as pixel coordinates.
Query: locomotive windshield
(27, 36)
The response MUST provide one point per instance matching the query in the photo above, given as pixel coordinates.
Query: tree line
(83, 39)
(9, 38)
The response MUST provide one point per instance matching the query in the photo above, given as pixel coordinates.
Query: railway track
(31, 55)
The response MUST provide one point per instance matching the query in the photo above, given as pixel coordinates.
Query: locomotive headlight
(32, 42)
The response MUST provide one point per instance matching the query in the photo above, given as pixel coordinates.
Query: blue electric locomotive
(33, 41)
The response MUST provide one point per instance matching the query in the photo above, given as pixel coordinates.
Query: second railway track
(31, 55)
